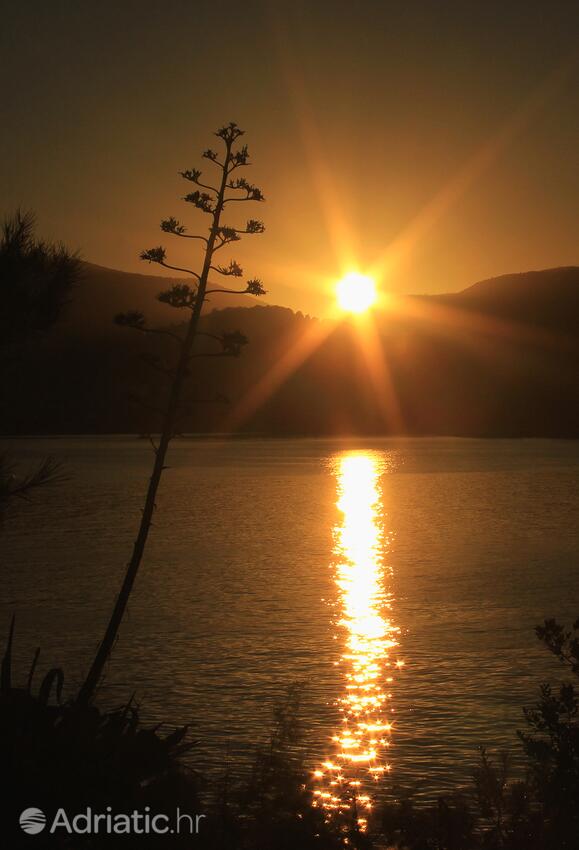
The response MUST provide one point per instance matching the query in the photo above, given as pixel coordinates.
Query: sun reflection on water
(368, 638)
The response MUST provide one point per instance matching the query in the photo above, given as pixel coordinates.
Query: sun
(356, 292)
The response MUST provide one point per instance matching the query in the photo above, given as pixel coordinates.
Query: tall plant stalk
(213, 203)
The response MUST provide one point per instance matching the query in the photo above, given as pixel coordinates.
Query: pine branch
(50, 471)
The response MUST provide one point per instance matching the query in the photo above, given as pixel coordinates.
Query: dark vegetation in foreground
(72, 756)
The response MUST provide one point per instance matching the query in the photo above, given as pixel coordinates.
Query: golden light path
(368, 638)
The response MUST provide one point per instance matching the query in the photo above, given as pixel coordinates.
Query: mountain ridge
(104, 292)
(497, 359)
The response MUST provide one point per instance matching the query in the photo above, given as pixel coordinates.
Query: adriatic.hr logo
(33, 821)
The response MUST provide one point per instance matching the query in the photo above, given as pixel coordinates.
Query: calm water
(400, 580)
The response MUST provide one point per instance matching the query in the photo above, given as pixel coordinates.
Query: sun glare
(356, 292)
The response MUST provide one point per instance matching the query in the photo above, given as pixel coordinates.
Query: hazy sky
(436, 141)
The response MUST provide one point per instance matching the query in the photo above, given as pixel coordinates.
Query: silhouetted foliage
(36, 279)
(448, 825)
(271, 806)
(20, 486)
(74, 756)
(501, 811)
(55, 755)
(552, 746)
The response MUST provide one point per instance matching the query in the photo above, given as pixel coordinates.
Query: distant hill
(103, 292)
(500, 358)
(532, 286)
(546, 298)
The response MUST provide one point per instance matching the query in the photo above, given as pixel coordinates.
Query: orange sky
(434, 143)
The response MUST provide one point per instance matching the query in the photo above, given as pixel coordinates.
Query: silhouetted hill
(532, 286)
(546, 298)
(102, 293)
(500, 358)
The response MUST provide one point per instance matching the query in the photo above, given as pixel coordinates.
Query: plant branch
(227, 291)
(179, 269)
(174, 226)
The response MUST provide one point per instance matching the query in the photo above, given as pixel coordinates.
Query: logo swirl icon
(32, 821)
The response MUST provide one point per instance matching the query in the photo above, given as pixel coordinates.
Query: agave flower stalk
(212, 201)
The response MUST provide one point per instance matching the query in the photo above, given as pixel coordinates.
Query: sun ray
(471, 325)
(339, 230)
(380, 374)
(279, 372)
